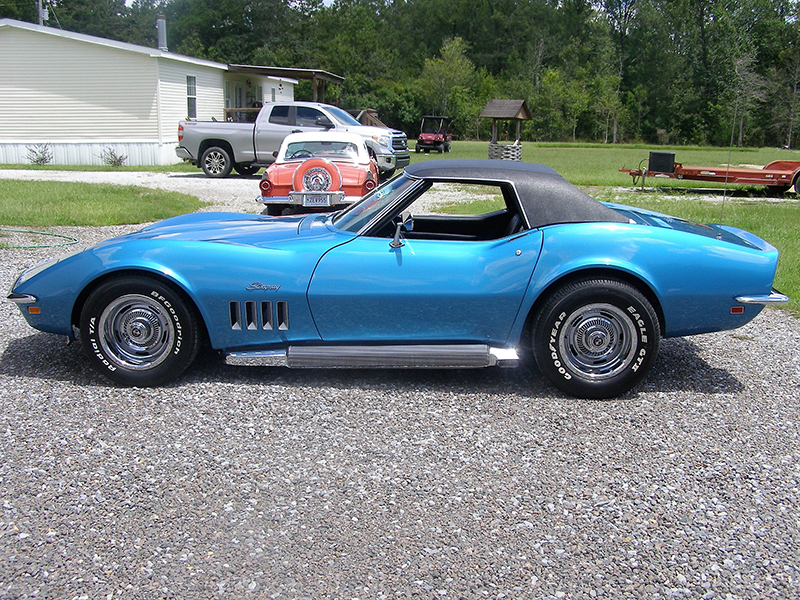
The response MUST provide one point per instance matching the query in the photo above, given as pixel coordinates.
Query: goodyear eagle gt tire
(596, 338)
(138, 331)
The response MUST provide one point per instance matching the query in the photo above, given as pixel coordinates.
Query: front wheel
(216, 162)
(138, 331)
(596, 338)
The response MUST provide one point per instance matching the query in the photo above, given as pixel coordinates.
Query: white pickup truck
(218, 147)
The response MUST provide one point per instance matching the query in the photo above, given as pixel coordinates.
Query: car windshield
(334, 150)
(344, 117)
(355, 217)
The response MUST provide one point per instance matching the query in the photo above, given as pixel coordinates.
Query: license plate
(316, 200)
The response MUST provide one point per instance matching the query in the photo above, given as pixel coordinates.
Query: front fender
(214, 277)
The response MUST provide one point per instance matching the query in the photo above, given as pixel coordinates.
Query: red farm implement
(779, 175)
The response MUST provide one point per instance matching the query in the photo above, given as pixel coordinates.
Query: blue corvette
(585, 289)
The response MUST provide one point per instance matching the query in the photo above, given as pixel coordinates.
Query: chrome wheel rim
(598, 341)
(215, 162)
(136, 332)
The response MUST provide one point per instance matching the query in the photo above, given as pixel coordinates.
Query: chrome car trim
(21, 298)
(505, 357)
(775, 297)
(268, 358)
(435, 356)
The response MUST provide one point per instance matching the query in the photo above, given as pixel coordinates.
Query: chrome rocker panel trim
(450, 356)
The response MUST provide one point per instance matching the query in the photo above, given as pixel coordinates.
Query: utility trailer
(779, 175)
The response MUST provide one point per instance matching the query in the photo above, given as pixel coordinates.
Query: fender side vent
(251, 320)
(250, 315)
(283, 316)
(235, 310)
(266, 315)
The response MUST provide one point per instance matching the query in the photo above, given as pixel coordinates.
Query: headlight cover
(34, 271)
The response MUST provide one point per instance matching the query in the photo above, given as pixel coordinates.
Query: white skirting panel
(90, 152)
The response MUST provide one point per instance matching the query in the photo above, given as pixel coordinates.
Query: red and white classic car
(317, 171)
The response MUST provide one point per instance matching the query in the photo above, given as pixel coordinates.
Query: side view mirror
(324, 122)
(404, 222)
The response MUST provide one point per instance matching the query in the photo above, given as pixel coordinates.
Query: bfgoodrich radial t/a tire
(596, 338)
(139, 331)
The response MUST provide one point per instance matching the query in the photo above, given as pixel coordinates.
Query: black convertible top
(545, 197)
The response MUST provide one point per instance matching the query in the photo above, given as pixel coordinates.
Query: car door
(425, 291)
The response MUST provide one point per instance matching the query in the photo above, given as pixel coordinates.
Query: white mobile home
(82, 95)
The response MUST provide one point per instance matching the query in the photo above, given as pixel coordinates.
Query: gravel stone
(255, 482)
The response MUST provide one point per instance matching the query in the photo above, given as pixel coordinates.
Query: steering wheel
(302, 153)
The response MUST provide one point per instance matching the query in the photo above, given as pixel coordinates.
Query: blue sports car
(546, 273)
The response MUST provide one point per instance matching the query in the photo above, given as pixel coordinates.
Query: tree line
(608, 71)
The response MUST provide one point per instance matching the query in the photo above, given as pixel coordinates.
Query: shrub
(111, 158)
(40, 154)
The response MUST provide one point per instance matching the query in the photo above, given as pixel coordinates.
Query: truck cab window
(280, 115)
(309, 117)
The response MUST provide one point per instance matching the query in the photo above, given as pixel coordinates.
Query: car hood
(235, 228)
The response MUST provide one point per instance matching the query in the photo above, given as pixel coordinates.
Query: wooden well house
(506, 110)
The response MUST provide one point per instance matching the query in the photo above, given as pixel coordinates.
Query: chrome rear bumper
(775, 297)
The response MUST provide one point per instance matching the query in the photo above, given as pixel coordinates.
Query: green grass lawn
(599, 165)
(45, 203)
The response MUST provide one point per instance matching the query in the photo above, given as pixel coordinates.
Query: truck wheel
(245, 170)
(216, 162)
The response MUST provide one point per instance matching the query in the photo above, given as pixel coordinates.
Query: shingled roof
(506, 109)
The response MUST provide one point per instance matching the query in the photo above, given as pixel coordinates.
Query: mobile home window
(191, 96)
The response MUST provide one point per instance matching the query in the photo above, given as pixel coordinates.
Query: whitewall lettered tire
(139, 331)
(596, 338)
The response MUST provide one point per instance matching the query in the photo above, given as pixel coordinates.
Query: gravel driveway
(269, 483)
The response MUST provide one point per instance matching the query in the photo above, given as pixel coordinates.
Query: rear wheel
(275, 210)
(216, 162)
(246, 170)
(139, 331)
(596, 338)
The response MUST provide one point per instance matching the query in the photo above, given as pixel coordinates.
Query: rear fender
(692, 281)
